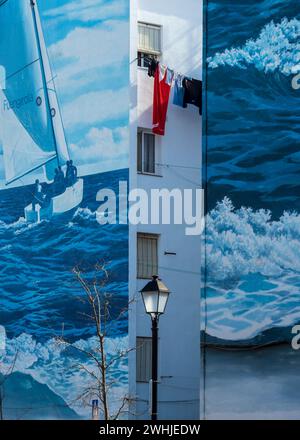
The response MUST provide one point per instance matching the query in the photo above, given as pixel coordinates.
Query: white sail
(61, 144)
(28, 130)
(20, 152)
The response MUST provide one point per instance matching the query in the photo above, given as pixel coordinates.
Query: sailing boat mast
(33, 6)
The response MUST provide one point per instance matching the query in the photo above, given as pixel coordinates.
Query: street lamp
(155, 297)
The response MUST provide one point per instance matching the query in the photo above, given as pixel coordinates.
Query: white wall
(179, 365)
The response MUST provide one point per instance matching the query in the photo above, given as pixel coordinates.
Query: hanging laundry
(152, 67)
(179, 91)
(162, 86)
(192, 93)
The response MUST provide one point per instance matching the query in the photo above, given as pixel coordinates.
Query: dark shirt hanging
(192, 93)
(152, 67)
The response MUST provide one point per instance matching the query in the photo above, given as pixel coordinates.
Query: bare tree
(101, 363)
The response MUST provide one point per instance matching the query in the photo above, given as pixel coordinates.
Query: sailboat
(31, 127)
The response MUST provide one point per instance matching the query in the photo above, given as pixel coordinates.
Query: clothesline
(186, 91)
(150, 59)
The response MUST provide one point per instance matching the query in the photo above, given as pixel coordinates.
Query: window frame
(142, 274)
(140, 367)
(142, 51)
(141, 146)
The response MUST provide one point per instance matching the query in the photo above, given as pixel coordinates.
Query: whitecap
(277, 48)
(84, 213)
(253, 271)
(242, 241)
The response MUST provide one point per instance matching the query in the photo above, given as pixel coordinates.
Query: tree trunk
(103, 382)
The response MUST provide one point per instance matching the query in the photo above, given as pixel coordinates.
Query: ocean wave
(49, 251)
(276, 49)
(85, 213)
(43, 295)
(19, 226)
(253, 272)
(57, 366)
(242, 241)
(258, 309)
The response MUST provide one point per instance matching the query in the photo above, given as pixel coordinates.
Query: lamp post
(155, 297)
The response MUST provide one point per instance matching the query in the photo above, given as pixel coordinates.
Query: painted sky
(88, 47)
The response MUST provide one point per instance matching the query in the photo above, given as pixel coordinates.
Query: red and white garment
(162, 86)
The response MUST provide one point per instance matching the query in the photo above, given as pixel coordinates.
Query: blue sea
(40, 297)
(253, 172)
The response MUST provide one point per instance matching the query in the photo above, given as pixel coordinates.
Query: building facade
(174, 36)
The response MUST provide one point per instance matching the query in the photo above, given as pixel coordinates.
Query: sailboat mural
(40, 299)
(32, 132)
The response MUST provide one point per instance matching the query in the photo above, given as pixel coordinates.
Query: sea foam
(64, 369)
(277, 48)
(242, 241)
(252, 272)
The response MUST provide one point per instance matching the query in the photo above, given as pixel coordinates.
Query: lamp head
(155, 297)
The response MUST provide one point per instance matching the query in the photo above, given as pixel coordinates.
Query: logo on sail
(17, 103)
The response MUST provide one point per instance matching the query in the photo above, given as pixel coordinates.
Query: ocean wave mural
(275, 49)
(251, 297)
(253, 273)
(60, 143)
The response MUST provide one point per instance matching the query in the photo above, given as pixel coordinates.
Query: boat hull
(61, 204)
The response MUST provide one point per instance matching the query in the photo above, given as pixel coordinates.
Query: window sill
(149, 174)
(143, 68)
(139, 277)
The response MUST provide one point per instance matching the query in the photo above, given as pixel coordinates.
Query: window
(143, 359)
(149, 43)
(146, 152)
(147, 257)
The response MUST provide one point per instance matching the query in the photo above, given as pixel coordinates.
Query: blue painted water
(253, 154)
(39, 295)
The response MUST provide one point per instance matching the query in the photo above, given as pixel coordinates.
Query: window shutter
(147, 255)
(143, 359)
(140, 151)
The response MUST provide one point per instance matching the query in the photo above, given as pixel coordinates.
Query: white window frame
(146, 269)
(142, 170)
(142, 51)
